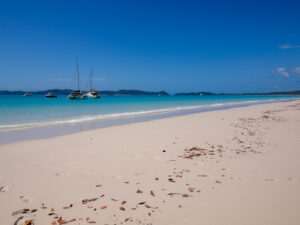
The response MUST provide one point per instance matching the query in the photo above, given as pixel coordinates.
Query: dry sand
(237, 166)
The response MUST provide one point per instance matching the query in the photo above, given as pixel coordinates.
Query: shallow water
(22, 112)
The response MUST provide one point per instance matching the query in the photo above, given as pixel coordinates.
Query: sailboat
(92, 93)
(77, 95)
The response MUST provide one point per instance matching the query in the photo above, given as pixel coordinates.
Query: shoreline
(55, 130)
(241, 164)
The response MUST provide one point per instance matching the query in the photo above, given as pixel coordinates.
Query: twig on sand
(84, 201)
(183, 195)
(16, 222)
(21, 211)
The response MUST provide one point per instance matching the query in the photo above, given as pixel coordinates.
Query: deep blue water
(19, 111)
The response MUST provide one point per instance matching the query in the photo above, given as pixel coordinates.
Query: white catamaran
(77, 95)
(92, 93)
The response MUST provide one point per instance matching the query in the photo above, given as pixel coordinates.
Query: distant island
(210, 93)
(68, 91)
(133, 92)
(142, 93)
(195, 94)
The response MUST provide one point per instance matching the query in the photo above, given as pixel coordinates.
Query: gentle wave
(92, 117)
(89, 118)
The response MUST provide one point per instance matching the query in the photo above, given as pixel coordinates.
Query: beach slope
(236, 166)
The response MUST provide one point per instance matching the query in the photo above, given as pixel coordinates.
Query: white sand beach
(236, 166)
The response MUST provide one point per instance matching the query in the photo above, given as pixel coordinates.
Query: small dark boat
(27, 94)
(50, 95)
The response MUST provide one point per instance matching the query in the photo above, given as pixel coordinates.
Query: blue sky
(219, 46)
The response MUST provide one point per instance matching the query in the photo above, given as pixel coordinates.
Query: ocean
(19, 112)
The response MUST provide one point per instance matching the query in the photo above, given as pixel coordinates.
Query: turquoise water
(19, 111)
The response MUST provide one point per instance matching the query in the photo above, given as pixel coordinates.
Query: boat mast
(91, 78)
(77, 73)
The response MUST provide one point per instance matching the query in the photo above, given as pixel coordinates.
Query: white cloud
(282, 71)
(296, 70)
(287, 46)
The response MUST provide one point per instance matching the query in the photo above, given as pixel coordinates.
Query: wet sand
(234, 166)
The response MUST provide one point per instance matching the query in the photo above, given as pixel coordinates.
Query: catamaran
(92, 93)
(77, 95)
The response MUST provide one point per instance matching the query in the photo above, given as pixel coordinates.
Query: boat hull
(74, 97)
(77, 97)
(93, 95)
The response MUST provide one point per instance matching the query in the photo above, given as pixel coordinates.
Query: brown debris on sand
(21, 211)
(29, 222)
(191, 189)
(84, 201)
(183, 195)
(61, 221)
(172, 180)
(195, 152)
